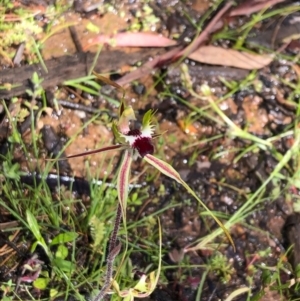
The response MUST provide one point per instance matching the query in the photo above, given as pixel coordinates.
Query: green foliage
(7, 288)
(11, 171)
(41, 283)
(16, 33)
(221, 267)
(37, 88)
(146, 19)
(36, 210)
(86, 84)
(35, 229)
(64, 238)
(98, 231)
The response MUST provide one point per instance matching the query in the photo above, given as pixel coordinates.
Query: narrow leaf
(147, 284)
(152, 282)
(34, 228)
(123, 181)
(250, 7)
(155, 280)
(238, 292)
(85, 89)
(33, 225)
(78, 80)
(170, 172)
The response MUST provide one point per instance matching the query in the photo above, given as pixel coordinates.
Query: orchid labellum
(138, 143)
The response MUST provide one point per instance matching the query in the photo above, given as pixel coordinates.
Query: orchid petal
(123, 181)
(94, 151)
(147, 127)
(169, 171)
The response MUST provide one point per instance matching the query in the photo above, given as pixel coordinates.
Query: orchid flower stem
(113, 238)
(113, 251)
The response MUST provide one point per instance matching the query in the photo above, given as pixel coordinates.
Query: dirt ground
(201, 149)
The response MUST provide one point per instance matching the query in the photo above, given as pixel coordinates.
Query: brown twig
(212, 26)
(75, 38)
(176, 53)
(252, 7)
(147, 68)
(179, 52)
(66, 68)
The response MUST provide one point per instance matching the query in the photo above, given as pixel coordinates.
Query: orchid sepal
(118, 136)
(123, 180)
(170, 172)
(95, 151)
(147, 126)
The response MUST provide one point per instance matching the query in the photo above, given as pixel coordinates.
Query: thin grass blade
(149, 285)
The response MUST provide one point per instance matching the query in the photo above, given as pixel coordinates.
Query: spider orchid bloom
(138, 143)
(138, 140)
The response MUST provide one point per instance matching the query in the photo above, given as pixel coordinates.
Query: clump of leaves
(14, 33)
(221, 267)
(97, 230)
(31, 269)
(17, 28)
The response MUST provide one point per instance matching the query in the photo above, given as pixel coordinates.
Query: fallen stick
(16, 81)
(176, 53)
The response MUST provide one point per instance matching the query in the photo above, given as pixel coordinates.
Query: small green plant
(221, 267)
(37, 88)
(146, 19)
(31, 269)
(20, 29)
(19, 25)
(7, 288)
